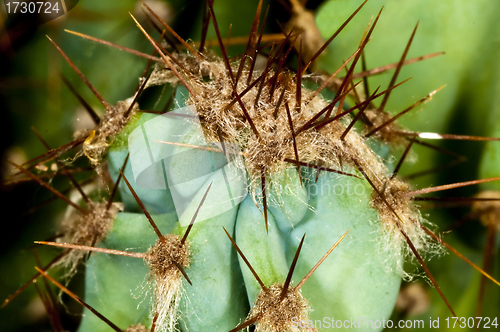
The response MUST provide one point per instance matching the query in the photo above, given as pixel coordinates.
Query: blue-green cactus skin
(114, 285)
(357, 281)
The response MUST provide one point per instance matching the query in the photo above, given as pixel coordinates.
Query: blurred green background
(32, 94)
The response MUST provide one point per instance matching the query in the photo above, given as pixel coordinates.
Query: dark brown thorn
(169, 102)
(183, 42)
(152, 112)
(487, 265)
(361, 170)
(340, 107)
(398, 69)
(49, 308)
(264, 197)
(40, 138)
(246, 323)
(366, 34)
(166, 60)
(365, 79)
(180, 115)
(49, 303)
(280, 99)
(195, 214)
(49, 155)
(292, 268)
(77, 299)
(248, 88)
(137, 95)
(426, 269)
(247, 115)
(326, 121)
(96, 249)
(320, 167)
(399, 223)
(360, 112)
(403, 157)
(315, 267)
(221, 44)
(94, 240)
(52, 190)
(357, 98)
(174, 59)
(433, 169)
(458, 199)
(453, 250)
(298, 89)
(119, 47)
(264, 288)
(45, 303)
(325, 45)
(384, 186)
(53, 313)
(29, 282)
(49, 239)
(183, 272)
(448, 186)
(362, 45)
(158, 43)
(280, 52)
(272, 41)
(43, 175)
(155, 228)
(283, 58)
(263, 76)
(115, 187)
(222, 143)
(143, 208)
(52, 199)
(204, 29)
(348, 79)
(440, 149)
(270, 38)
(283, 42)
(162, 32)
(400, 114)
(331, 105)
(251, 41)
(256, 47)
(63, 168)
(320, 164)
(295, 150)
(155, 318)
(79, 73)
(379, 70)
(82, 101)
(445, 136)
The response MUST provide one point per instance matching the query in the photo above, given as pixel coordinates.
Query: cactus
(244, 255)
